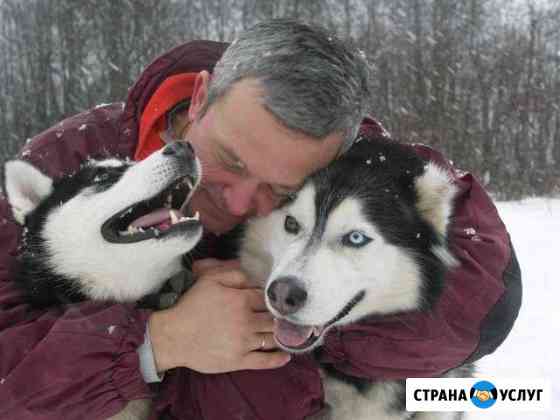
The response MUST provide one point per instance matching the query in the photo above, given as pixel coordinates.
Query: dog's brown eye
(291, 225)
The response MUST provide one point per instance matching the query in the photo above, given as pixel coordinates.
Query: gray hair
(313, 82)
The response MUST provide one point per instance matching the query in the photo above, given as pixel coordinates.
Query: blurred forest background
(478, 79)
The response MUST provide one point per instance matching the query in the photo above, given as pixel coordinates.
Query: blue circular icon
(484, 394)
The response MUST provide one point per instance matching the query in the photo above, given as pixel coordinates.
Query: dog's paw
(326, 413)
(134, 410)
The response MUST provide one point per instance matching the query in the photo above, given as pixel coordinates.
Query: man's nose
(248, 197)
(240, 195)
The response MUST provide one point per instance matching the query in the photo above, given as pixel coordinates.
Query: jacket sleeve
(75, 359)
(474, 315)
(292, 392)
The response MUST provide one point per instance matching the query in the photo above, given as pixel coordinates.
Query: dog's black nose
(286, 295)
(179, 149)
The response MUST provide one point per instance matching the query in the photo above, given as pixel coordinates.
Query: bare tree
(479, 79)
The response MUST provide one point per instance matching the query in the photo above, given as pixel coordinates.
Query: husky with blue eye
(364, 236)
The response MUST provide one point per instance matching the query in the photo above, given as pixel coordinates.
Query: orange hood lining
(153, 121)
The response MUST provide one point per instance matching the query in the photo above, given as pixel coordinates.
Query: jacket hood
(191, 57)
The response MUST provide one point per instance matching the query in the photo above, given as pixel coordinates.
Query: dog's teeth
(173, 217)
(130, 231)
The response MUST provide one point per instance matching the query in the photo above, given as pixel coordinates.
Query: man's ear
(26, 187)
(200, 95)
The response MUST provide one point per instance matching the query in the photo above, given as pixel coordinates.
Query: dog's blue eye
(291, 225)
(356, 239)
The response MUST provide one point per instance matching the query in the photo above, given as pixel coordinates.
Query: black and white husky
(365, 236)
(111, 231)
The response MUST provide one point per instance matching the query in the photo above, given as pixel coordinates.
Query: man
(284, 100)
(256, 147)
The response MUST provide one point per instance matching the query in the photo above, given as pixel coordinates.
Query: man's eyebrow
(230, 154)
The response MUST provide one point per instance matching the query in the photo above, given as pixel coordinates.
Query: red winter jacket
(79, 361)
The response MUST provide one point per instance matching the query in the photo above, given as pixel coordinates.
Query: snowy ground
(531, 350)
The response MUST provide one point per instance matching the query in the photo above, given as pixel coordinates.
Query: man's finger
(263, 322)
(256, 360)
(207, 264)
(264, 342)
(231, 278)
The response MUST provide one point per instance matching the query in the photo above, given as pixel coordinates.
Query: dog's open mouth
(296, 337)
(158, 217)
(300, 338)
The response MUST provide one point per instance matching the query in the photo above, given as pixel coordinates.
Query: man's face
(250, 161)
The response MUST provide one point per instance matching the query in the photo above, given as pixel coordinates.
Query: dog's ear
(26, 187)
(435, 197)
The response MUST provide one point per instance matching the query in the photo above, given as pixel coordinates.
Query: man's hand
(219, 325)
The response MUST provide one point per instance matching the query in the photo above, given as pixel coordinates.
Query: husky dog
(115, 230)
(108, 211)
(364, 236)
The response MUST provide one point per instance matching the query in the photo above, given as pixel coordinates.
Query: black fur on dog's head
(409, 199)
(114, 230)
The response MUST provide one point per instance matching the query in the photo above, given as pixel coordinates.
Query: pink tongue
(159, 219)
(291, 335)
